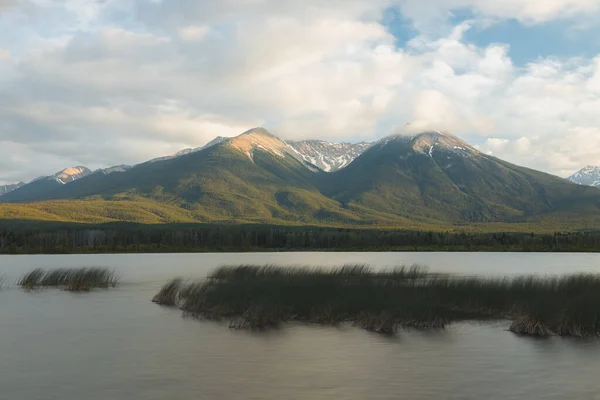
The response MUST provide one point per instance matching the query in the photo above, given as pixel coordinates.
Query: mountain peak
(258, 138)
(424, 141)
(588, 175)
(258, 131)
(590, 168)
(71, 174)
(427, 142)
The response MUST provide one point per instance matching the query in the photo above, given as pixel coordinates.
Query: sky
(107, 82)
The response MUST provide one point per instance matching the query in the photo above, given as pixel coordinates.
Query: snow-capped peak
(589, 175)
(428, 143)
(328, 156)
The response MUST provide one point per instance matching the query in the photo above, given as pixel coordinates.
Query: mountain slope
(328, 156)
(4, 189)
(436, 176)
(215, 141)
(96, 211)
(40, 187)
(589, 176)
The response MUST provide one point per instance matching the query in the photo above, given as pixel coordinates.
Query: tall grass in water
(381, 301)
(74, 280)
(169, 293)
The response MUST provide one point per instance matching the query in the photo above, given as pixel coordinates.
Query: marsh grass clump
(265, 296)
(259, 297)
(73, 280)
(435, 322)
(379, 323)
(258, 318)
(169, 293)
(32, 279)
(528, 325)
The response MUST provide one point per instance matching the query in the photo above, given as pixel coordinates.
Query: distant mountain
(432, 179)
(9, 188)
(38, 188)
(589, 176)
(112, 170)
(329, 156)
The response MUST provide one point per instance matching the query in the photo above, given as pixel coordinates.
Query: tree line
(216, 238)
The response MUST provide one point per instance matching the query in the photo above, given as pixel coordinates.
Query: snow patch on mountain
(4, 189)
(426, 141)
(587, 176)
(116, 168)
(328, 156)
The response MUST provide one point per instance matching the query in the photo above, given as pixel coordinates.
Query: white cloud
(429, 13)
(100, 93)
(495, 144)
(193, 32)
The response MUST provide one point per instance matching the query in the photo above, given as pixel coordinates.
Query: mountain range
(432, 179)
(328, 156)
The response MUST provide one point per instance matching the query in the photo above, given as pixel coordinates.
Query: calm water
(117, 345)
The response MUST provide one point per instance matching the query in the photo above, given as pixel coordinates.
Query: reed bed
(265, 296)
(169, 293)
(73, 280)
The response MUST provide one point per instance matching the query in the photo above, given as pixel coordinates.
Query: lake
(116, 344)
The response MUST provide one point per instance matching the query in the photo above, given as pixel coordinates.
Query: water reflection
(156, 268)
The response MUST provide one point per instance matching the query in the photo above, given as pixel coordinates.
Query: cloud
(4, 4)
(427, 14)
(193, 32)
(116, 82)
